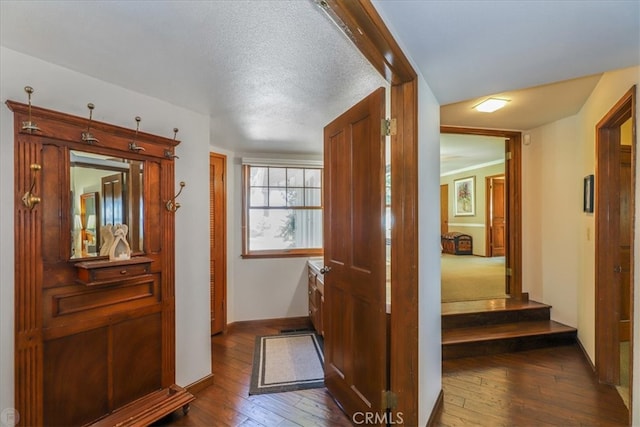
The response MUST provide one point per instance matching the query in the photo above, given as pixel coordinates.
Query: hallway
(554, 386)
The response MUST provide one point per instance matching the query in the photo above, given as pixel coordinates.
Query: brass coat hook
(29, 200)
(132, 145)
(29, 126)
(168, 153)
(86, 136)
(172, 205)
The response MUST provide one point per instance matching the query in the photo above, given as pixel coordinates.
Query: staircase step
(504, 337)
(491, 312)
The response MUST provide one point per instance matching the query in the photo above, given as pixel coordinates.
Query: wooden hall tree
(94, 339)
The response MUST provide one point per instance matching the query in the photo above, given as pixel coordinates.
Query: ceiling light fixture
(490, 105)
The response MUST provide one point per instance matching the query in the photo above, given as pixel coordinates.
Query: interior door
(624, 244)
(356, 360)
(444, 209)
(497, 216)
(217, 240)
(113, 203)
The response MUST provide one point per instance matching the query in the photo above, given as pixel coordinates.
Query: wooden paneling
(76, 378)
(354, 249)
(90, 340)
(136, 346)
(404, 252)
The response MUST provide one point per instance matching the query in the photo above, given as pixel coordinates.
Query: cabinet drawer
(120, 272)
(105, 272)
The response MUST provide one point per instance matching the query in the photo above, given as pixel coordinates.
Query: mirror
(104, 191)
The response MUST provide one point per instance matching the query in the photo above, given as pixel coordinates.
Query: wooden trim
(607, 296)
(371, 36)
(437, 409)
(281, 323)
(513, 192)
(378, 45)
(201, 384)
(586, 355)
(291, 253)
(222, 215)
(404, 358)
(42, 244)
(273, 253)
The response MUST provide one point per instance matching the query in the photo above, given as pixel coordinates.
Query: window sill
(284, 254)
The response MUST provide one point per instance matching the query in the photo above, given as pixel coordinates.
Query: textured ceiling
(272, 73)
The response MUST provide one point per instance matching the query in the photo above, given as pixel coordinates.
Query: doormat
(287, 362)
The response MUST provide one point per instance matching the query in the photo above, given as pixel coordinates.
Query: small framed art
(465, 196)
(587, 204)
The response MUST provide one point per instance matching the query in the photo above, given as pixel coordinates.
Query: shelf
(104, 272)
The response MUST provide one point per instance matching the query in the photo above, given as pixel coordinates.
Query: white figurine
(106, 239)
(120, 249)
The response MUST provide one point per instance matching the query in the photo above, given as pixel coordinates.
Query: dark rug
(287, 362)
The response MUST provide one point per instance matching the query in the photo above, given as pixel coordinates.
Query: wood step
(492, 311)
(504, 337)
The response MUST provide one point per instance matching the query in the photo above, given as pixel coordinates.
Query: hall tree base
(94, 338)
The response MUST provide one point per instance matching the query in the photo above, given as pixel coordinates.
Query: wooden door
(614, 237)
(218, 241)
(444, 209)
(624, 245)
(354, 235)
(497, 216)
(113, 203)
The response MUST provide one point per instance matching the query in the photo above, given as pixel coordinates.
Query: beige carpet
(469, 277)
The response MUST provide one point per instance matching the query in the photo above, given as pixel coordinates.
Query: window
(282, 211)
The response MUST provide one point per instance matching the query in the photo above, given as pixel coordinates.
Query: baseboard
(437, 409)
(200, 385)
(586, 355)
(279, 323)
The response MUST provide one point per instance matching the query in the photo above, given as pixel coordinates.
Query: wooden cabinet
(316, 298)
(94, 339)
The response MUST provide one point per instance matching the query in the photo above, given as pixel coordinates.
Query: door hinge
(509, 271)
(389, 399)
(389, 127)
(508, 155)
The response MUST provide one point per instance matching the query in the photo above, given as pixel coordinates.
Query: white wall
(429, 321)
(558, 238)
(64, 90)
(611, 87)
(260, 288)
(552, 211)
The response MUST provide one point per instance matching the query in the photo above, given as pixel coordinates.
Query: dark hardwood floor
(227, 402)
(551, 386)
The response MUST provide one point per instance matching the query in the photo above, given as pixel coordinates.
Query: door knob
(325, 269)
(617, 269)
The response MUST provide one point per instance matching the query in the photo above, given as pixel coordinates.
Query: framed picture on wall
(464, 201)
(587, 204)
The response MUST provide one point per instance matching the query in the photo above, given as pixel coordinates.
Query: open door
(356, 360)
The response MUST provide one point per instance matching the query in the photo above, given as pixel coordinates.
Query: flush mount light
(490, 105)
